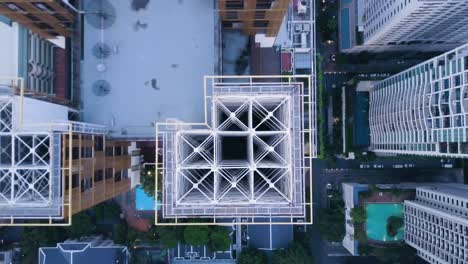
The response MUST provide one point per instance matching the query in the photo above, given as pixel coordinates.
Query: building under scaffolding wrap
(248, 160)
(49, 166)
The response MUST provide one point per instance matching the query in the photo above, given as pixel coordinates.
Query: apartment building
(421, 25)
(423, 110)
(253, 16)
(50, 167)
(436, 223)
(47, 19)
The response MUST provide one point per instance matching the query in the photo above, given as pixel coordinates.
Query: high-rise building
(423, 110)
(404, 24)
(248, 160)
(253, 16)
(436, 223)
(50, 167)
(36, 60)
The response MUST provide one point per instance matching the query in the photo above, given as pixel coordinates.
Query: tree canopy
(219, 239)
(169, 235)
(147, 180)
(197, 235)
(296, 254)
(394, 223)
(331, 220)
(358, 214)
(82, 225)
(252, 256)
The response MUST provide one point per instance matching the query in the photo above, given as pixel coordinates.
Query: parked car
(397, 166)
(409, 165)
(448, 166)
(364, 166)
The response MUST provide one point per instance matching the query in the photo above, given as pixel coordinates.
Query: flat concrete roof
(173, 44)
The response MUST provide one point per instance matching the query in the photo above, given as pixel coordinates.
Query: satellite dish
(100, 14)
(101, 50)
(101, 88)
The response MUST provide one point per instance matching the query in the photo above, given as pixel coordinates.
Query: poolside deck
(171, 42)
(139, 220)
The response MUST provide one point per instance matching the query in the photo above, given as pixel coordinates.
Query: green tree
(34, 237)
(358, 214)
(119, 233)
(197, 235)
(219, 239)
(147, 180)
(82, 225)
(331, 224)
(169, 235)
(252, 256)
(394, 223)
(296, 254)
(360, 234)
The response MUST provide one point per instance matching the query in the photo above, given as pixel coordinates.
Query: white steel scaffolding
(32, 189)
(248, 160)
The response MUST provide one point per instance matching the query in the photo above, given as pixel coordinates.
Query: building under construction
(248, 160)
(51, 168)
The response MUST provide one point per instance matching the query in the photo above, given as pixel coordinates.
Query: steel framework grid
(307, 131)
(32, 178)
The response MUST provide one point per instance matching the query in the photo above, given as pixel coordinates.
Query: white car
(448, 166)
(397, 166)
(364, 166)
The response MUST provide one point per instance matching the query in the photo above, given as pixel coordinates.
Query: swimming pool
(376, 223)
(144, 202)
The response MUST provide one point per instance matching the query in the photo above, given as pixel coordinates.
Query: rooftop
(79, 252)
(247, 160)
(154, 62)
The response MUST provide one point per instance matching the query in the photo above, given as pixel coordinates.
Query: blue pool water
(144, 202)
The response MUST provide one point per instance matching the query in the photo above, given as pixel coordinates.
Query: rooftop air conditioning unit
(302, 6)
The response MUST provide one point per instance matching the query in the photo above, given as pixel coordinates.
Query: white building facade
(415, 21)
(423, 110)
(436, 223)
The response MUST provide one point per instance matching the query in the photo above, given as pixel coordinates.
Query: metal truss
(247, 164)
(32, 189)
(259, 175)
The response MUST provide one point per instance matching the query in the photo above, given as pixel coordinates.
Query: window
(109, 173)
(67, 185)
(261, 23)
(75, 153)
(109, 151)
(75, 180)
(235, 4)
(231, 15)
(118, 151)
(86, 184)
(117, 176)
(98, 143)
(98, 175)
(263, 4)
(86, 152)
(260, 14)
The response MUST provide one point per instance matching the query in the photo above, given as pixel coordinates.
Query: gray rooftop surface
(90, 255)
(176, 47)
(270, 237)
